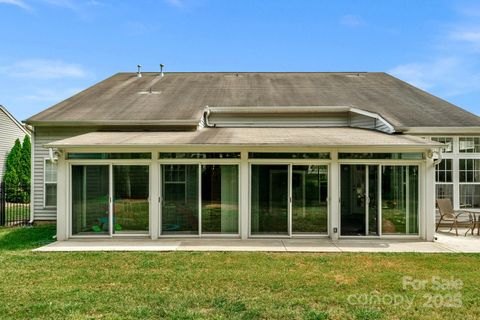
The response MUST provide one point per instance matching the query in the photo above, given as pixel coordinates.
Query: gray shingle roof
(182, 96)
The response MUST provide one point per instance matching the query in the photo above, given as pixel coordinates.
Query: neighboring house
(252, 155)
(11, 130)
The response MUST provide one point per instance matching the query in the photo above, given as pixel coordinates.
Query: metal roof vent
(161, 70)
(139, 70)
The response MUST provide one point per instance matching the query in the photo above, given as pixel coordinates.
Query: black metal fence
(14, 205)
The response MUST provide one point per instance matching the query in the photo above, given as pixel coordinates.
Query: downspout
(440, 158)
(32, 175)
(206, 114)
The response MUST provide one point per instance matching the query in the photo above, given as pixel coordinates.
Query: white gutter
(143, 145)
(128, 123)
(439, 152)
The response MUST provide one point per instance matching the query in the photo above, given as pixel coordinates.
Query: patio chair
(447, 214)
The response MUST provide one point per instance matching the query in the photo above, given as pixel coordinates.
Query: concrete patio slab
(391, 246)
(310, 245)
(269, 245)
(110, 245)
(445, 243)
(465, 244)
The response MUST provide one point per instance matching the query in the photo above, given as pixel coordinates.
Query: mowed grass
(194, 285)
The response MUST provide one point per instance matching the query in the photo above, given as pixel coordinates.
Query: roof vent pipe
(139, 69)
(161, 69)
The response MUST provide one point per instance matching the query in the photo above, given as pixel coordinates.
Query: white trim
(444, 131)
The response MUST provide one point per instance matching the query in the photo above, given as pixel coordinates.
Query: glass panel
(444, 191)
(285, 155)
(51, 195)
(469, 144)
(397, 156)
(353, 191)
(269, 199)
(180, 199)
(144, 155)
(130, 199)
(220, 199)
(50, 171)
(309, 199)
(373, 200)
(90, 195)
(443, 171)
(447, 140)
(399, 200)
(469, 170)
(199, 155)
(470, 196)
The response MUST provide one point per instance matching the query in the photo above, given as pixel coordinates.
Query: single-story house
(11, 130)
(252, 154)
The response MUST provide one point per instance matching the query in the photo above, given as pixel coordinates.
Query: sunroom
(246, 183)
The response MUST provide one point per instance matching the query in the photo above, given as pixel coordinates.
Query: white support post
(154, 200)
(429, 225)
(62, 202)
(244, 195)
(334, 197)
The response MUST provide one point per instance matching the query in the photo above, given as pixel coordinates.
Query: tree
(25, 168)
(18, 172)
(13, 173)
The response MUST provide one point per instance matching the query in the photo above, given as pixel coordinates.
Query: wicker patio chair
(456, 219)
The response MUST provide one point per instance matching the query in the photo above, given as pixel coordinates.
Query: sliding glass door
(400, 200)
(269, 199)
(199, 199)
(219, 199)
(288, 199)
(180, 199)
(378, 199)
(90, 200)
(93, 190)
(130, 199)
(309, 199)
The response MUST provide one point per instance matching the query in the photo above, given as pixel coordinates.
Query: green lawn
(191, 285)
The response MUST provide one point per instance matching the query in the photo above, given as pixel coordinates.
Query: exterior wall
(10, 131)
(42, 136)
(426, 184)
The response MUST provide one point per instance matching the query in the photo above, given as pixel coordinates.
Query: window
(469, 170)
(50, 181)
(288, 155)
(199, 155)
(106, 156)
(470, 196)
(443, 171)
(469, 183)
(387, 156)
(444, 180)
(469, 144)
(447, 140)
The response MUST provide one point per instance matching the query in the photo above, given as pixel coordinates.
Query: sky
(51, 49)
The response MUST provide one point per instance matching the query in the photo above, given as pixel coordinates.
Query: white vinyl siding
(10, 131)
(42, 136)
